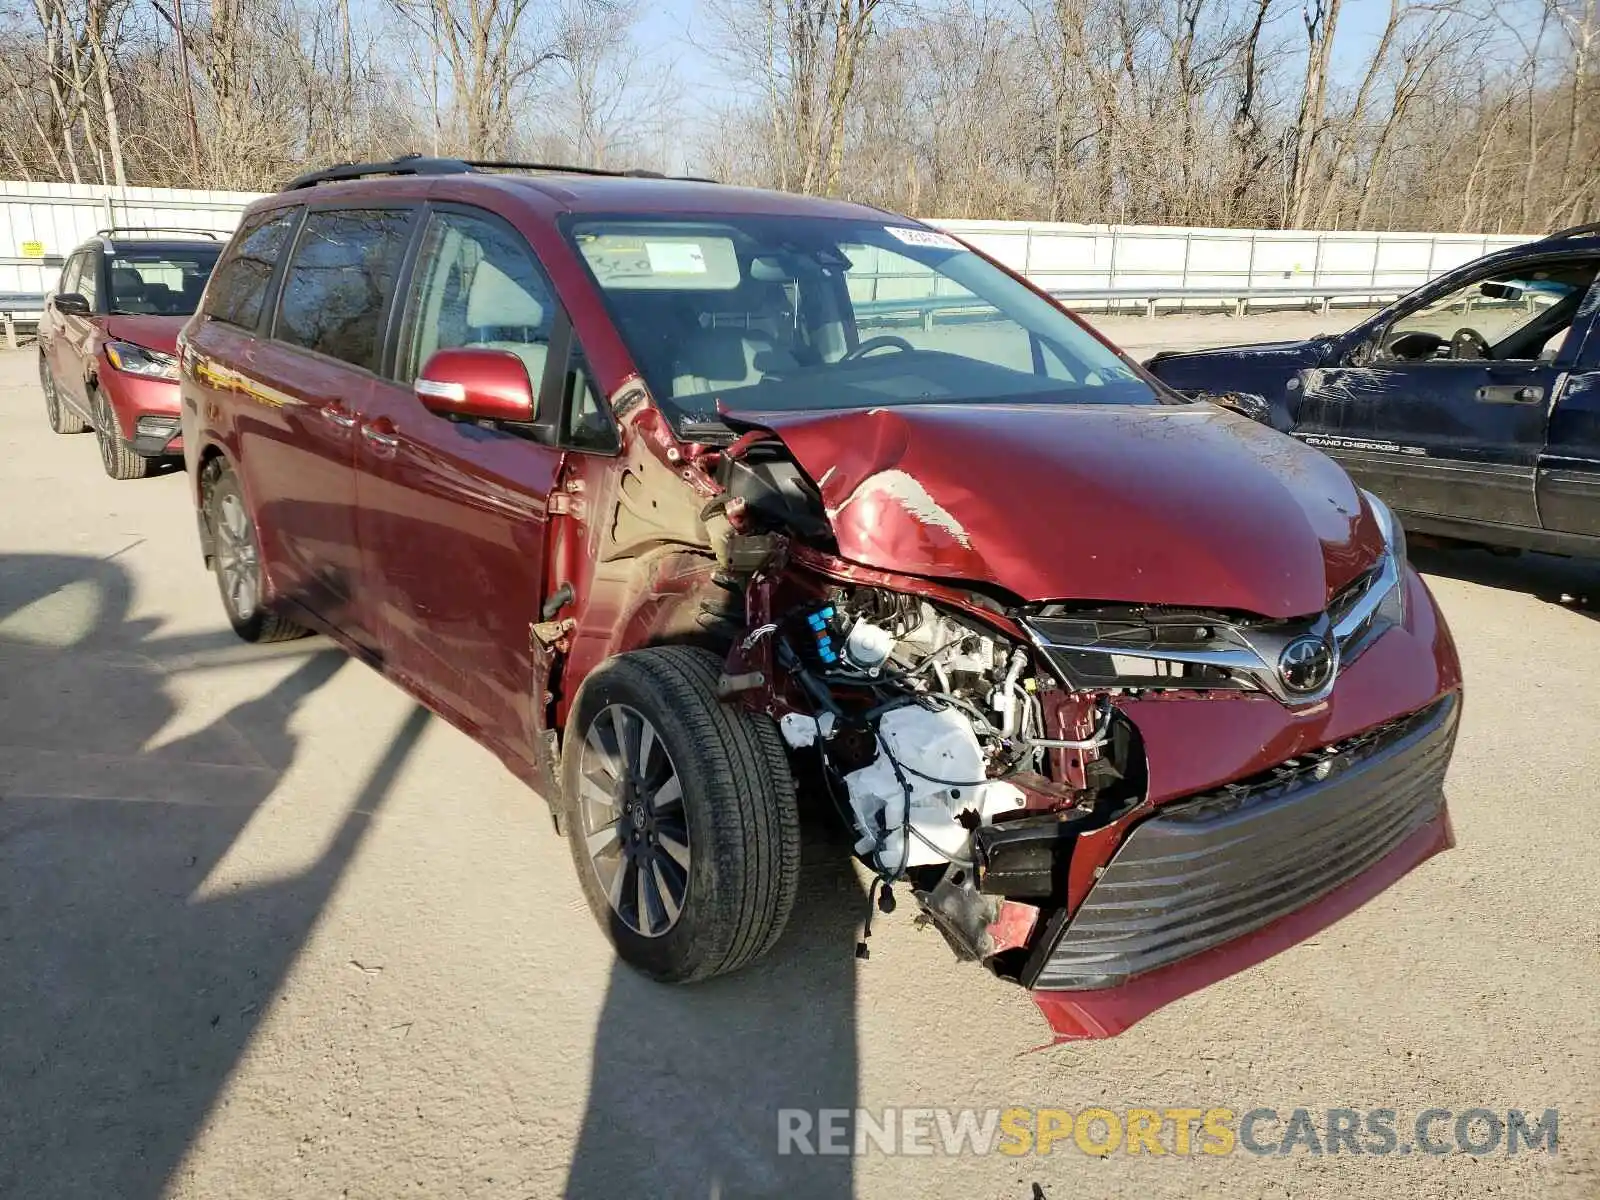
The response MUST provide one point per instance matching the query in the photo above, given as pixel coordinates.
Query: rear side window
(239, 288)
(340, 280)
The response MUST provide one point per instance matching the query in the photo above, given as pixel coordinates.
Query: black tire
(62, 419)
(251, 619)
(738, 802)
(116, 456)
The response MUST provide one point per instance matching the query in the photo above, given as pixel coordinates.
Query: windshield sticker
(667, 263)
(676, 258)
(927, 238)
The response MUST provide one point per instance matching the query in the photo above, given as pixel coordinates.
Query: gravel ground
(267, 930)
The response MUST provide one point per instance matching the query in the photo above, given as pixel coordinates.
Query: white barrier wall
(44, 221)
(1064, 256)
(41, 223)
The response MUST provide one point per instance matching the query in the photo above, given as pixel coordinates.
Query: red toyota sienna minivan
(687, 499)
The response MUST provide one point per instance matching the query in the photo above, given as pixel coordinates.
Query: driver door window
(70, 276)
(1516, 315)
(478, 287)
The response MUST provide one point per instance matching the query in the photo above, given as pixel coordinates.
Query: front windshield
(164, 283)
(771, 314)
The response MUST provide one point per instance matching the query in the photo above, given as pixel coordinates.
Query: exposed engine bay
(956, 757)
(958, 763)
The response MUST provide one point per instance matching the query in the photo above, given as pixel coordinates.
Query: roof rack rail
(416, 164)
(1593, 227)
(407, 164)
(116, 230)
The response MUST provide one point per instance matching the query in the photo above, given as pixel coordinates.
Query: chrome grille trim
(1219, 865)
(1235, 655)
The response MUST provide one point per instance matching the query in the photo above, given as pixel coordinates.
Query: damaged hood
(153, 333)
(1168, 504)
(1306, 353)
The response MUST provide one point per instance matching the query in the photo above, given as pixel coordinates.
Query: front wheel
(116, 455)
(681, 816)
(236, 559)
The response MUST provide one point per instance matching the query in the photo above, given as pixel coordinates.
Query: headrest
(498, 300)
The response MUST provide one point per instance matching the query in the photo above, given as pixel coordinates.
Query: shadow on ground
(1570, 583)
(669, 1111)
(128, 988)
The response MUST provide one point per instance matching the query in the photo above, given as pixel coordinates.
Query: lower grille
(1216, 866)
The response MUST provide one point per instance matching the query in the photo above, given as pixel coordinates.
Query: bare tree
(1321, 21)
(494, 50)
(1453, 114)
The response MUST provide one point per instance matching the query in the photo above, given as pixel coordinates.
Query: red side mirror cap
(480, 383)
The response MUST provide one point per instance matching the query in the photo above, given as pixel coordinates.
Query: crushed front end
(1110, 804)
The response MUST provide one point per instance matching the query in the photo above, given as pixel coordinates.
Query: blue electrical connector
(819, 622)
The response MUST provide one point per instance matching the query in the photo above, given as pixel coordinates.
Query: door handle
(1508, 393)
(339, 416)
(380, 439)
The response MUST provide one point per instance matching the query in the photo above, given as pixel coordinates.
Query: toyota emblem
(1306, 665)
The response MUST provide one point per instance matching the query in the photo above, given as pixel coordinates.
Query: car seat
(127, 290)
(735, 350)
(498, 305)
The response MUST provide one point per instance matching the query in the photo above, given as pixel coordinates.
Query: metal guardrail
(26, 307)
(19, 308)
(1149, 296)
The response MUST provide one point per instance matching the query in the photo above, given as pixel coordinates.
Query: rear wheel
(116, 455)
(62, 419)
(681, 815)
(236, 559)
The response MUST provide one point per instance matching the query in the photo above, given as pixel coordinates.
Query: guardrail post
(1111, 267)
(11, 332)
(1150, 308)
(109, 211)
(1188, 249)
(1249, 274)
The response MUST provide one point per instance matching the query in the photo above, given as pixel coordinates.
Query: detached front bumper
(1215, 883)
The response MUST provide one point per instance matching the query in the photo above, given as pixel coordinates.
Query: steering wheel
(887, 341)
(1414, 345)
(1469, 343)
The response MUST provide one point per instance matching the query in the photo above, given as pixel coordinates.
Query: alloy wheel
(634, 824)
(105, 432)
(52, 402)
(238, 559)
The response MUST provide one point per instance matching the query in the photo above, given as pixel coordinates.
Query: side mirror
(1246, 404)
(489, 385)
(71, 304)
(1362, 353)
